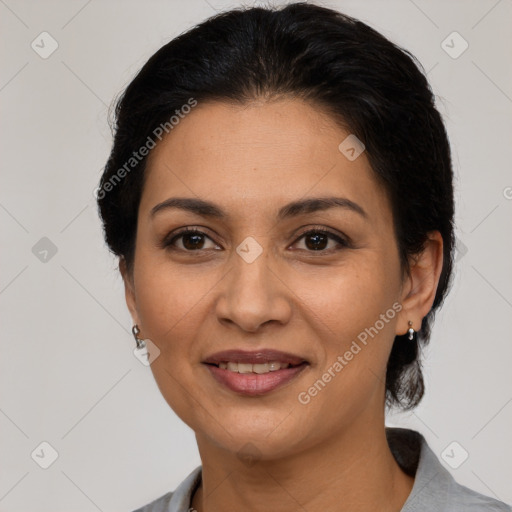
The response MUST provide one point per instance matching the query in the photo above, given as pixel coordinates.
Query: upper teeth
(253, 368)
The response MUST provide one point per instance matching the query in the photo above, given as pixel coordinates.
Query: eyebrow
(293, 209)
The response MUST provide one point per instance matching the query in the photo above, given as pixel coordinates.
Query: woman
(279, 195)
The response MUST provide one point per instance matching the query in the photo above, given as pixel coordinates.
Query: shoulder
(159, 505)
(434, 489)
(463, 498)
(177, 500)
(449, 496)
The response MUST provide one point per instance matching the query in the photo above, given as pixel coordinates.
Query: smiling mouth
(254, 379)
(258, 368)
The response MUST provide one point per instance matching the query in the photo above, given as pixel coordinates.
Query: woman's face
(250, 281)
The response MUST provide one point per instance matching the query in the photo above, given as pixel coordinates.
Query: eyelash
(168, 242)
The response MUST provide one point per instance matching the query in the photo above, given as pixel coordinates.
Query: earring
(411, 331)
(136, 331)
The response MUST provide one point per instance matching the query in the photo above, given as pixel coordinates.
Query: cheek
(345, 300)
(168, 295)
(170, 308)
(354, 311)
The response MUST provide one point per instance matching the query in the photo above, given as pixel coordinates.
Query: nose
(252, 294)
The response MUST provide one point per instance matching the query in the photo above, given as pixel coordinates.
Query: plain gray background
(68, 374)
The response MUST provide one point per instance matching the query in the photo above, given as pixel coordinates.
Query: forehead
(257, 154)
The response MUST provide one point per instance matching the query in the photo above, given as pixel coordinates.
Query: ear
(420, 286)
(129, 290)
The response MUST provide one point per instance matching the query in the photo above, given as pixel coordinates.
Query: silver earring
(136, 331)
(411, 331)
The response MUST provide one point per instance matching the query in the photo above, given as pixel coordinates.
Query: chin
(263, 440)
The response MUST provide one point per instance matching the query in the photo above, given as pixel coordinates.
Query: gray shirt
(434, 489)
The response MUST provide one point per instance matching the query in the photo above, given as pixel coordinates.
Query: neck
(355, 472)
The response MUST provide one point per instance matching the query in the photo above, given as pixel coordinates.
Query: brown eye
(318, 240)
(191, 240)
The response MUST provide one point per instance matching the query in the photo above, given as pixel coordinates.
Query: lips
(254, 357)
(254, 373)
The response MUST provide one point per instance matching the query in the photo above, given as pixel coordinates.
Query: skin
(250, 161)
